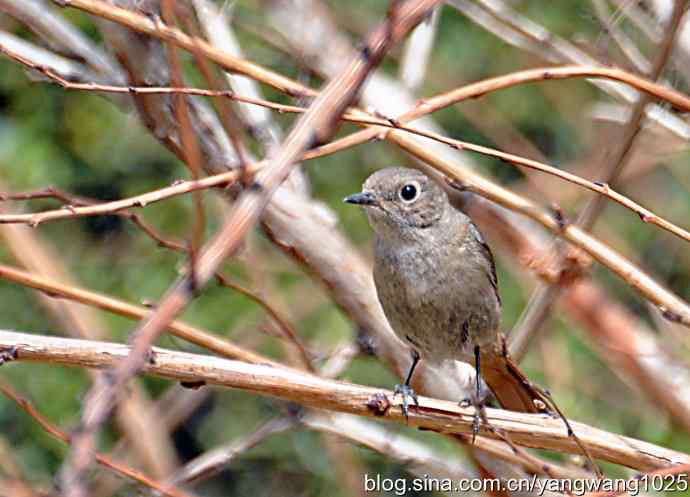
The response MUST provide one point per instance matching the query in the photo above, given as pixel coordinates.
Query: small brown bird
(436, 281)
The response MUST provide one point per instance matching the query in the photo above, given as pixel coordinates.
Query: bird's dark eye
(409, 192)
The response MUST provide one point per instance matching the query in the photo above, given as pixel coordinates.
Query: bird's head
(401, 201)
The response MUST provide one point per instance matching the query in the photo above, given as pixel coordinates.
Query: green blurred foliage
(84, 144)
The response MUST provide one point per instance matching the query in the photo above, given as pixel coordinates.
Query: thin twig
(55, 432)
(113, 207)
(429, 105)
(426, 106)
(154, 27)
(188, 140)
(286, 328)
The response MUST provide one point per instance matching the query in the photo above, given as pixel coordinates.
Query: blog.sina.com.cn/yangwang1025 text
(535, 485)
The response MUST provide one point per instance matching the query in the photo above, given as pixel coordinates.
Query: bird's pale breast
(439, 297)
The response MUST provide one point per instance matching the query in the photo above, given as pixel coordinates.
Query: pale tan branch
(529, 430)
(215, 460)
(179, 329)
(154, 26)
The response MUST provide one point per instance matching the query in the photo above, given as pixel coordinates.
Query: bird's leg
(405, 389)
(478, 405)
(476, 399)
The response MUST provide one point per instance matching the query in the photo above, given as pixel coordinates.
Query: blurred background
(96, 146)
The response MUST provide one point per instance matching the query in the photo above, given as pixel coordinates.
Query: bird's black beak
(363, 198)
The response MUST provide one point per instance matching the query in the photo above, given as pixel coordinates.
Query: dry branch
(154, 27)
(219, 458)
(529, 430)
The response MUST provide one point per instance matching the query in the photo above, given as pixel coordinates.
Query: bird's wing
(489, 256)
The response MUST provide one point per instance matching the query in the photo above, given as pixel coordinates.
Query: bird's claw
(476, 419)
(406, 392)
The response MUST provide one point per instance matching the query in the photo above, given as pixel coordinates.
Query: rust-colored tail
(516, 393)
(509, 385)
